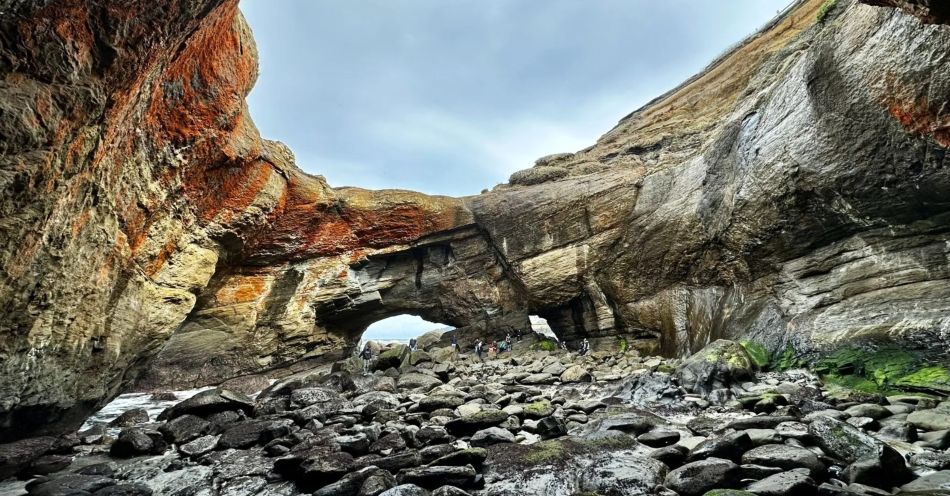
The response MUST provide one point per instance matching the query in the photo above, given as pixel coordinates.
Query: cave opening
(401, 329)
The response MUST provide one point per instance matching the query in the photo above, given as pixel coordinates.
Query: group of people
(495, 348)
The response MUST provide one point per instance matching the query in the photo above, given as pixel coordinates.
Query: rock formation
(794, 193)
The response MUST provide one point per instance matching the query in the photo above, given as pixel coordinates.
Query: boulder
(576, 373)
(623, 475)
(694, 479)
(791, 483)
(417, 380)
(136, 441)
(492, 435)
(470, 423)
(184, 428)
(131, 417)
(721, 364)
(433, 476)
(730, 446)
(785, 457)
(209, 402)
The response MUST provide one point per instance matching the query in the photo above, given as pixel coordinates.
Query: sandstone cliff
(793, 193)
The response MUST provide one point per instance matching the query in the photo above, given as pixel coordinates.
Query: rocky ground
(537, 421)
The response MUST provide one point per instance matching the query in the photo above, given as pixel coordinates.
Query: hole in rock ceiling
(540, 326)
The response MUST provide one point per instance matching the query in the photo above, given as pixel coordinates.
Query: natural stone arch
(454, 278)
(272, 319)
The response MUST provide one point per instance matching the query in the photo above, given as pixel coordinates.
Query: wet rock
(761, 437)
(199, 446)
(432, 434)
(937, 419)
(791, 483)
(869, 410)
(394, 463)
(417, 380)
(134, 441)
(15, 457)
(131, 417)
(575, 374)
(538, 409)
(431, 403)
(730, 446)
(721, 364)
(785, 457)
(349, 484)
(321, 469)
(694, 479)
(184, 429)
(434, 476)
(449, 491)
(492, 435)
(623, 475)
(48, 464)
(470, 423)
(931, 484)
(931, 460)
(406, 490)
(540, 378)
(71, 484)
(883, 467)
(842, 440)
(659, 438)
(126, 490)
(550, 427)
(672, 456)
(471, 456)
(253, 432)
(936, 439)
(377, 483)
(208, 402)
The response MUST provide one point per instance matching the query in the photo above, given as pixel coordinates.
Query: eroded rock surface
(794, 194)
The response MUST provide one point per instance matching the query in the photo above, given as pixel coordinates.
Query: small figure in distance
(455, 345)
(412, 344)
(585, 346)
(367, 356)
(479, 347)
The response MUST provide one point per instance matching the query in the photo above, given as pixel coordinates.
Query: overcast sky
(452, 96)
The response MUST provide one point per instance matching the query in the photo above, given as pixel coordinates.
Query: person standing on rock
(509, 344)
(479, 347)
(367, 356)
(455, 345)
(585, 346)
(412, 344)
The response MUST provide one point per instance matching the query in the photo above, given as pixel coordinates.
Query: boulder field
(526, 422)
(792, 196)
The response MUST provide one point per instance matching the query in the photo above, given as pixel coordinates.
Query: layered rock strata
(794, 193)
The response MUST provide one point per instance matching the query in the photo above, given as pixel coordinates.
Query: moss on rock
(758, 352)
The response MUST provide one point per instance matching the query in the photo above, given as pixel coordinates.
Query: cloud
(451, 97)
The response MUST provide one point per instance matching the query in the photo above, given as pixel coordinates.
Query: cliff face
(794, 193)
(134, 181)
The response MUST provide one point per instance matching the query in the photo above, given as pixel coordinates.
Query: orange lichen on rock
(242, 289)
(923, 118)
(202, 91)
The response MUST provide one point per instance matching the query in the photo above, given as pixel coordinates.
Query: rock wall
(793, 193)
(135, 185)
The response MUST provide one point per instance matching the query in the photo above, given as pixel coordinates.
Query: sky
(452, 96)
